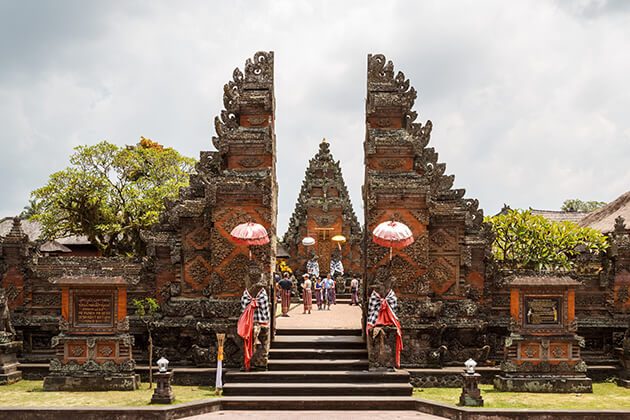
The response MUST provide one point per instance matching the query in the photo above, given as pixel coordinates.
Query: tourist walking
(319, 298)
(307, 295)
(285, 285)
(328, 286)
(354, 291)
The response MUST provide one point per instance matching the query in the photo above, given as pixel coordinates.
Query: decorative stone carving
(323, 209)
(94, 348)
(7, 332)
(232, 185)
(405, 181)
(9, 347)
(543, 352)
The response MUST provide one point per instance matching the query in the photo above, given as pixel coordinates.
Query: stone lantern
(470, 366)
(163, 393)
(162, 365)
(471, 395)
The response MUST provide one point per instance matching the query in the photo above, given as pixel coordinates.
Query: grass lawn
(605, 396)
(31, 394)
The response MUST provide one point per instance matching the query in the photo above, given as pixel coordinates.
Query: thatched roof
(552, 215)
(560, 216)
(54, 246)
(604, 219)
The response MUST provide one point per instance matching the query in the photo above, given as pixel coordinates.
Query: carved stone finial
(381, 77)
(16, 230)
(257, 76)
(620, 224)
(259, 70)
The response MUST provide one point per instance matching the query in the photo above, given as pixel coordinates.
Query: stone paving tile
(341, 315)
(311, 415)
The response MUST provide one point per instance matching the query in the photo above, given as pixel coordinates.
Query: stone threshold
(320, 403)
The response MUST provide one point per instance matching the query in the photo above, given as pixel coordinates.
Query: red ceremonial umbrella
(392, 234)
(250, 233)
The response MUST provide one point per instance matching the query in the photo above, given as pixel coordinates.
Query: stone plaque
(94, 310)
(542, 310)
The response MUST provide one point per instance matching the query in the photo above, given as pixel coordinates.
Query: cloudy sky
(530, 100)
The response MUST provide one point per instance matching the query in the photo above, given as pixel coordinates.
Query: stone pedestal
(93, 349)
(624, 353)
(471, 394)
(382, 348)
(542, 353)
(163, 393)
(9, 372)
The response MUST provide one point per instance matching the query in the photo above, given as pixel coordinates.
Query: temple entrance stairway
(319, 368)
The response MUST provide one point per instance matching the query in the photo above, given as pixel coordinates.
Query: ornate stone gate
(200, 273)
(439, 279)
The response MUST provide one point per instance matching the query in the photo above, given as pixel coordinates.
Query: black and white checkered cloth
(336, 268)
(262, 314)
(374, 306)
(312, 268)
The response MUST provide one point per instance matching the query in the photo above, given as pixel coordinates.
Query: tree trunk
(150, 360)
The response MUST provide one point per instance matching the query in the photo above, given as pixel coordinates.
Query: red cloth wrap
(245, 329)
(387, 317)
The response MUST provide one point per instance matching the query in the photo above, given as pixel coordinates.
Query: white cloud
(528, 99)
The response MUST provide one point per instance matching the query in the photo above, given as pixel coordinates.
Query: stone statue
(8, 346)
(385, 339)
(253, 325)
(6, 328)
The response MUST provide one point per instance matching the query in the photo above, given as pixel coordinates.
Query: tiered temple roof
(323, 209)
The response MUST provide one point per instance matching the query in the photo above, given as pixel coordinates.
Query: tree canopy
(575, 205)
(527, 241)
(111, 193)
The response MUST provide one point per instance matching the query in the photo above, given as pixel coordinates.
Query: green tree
(147, 310)
(575, 205)
(30, 210)
(527, 241)
(111, 193)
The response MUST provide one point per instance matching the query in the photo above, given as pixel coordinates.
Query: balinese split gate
(452, 301)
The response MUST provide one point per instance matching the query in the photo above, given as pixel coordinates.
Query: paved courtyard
(312, 415)
(341, 315)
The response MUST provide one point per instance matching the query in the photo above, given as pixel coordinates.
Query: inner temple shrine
(324, 212)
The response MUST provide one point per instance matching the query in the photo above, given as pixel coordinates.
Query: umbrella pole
(250, 252)
(390, 253)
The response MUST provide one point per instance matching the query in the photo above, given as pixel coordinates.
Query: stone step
(317, 342)
(323, 389)
(318, 354)
(318, 403)
(307, 364)
(322, 376)
(318, 331)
